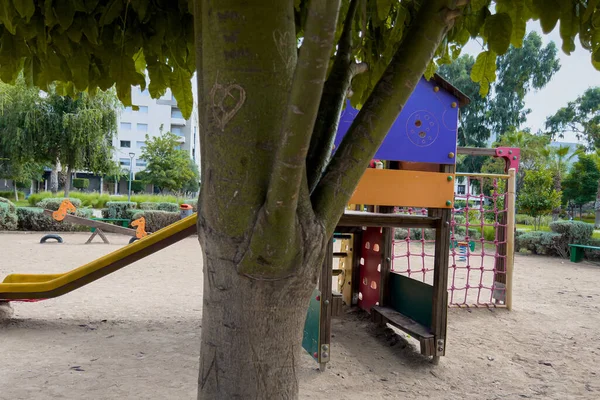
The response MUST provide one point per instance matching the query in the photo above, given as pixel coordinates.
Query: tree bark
(54, 178)
(16, 190)
(67, 181)
(251, 330)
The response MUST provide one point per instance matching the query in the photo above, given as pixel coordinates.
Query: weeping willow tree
(273, 77)
(74, 132)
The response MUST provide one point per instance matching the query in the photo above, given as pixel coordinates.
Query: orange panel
(389, 187)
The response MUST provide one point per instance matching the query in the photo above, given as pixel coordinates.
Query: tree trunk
(16, 190)
(251, 332)
(557, 187)
(597, 207)
(54, 178)
(68, 181)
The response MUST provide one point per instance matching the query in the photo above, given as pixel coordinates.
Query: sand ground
(135, 335)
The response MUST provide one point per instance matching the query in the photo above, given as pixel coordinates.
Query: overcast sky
(576, 74)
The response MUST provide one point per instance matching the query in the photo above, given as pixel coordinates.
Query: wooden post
(357, 254)
(325, 283)
(510, 236)
(386, 249)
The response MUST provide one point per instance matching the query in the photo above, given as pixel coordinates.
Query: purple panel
(425, 130)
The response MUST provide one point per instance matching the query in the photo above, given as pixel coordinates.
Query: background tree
(538, 196)
(503, 110)
(581, 185)
(272, 192)
(582, 117)
(168, 167)
(557, 161)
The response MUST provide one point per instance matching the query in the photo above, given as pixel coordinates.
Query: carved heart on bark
(282, 44)
(226, 102)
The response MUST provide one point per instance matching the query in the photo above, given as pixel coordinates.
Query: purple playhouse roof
(425, 130)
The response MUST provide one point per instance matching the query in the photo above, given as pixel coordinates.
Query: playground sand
(135, 335)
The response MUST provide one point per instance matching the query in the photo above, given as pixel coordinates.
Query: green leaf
(7, 16)
(591, 7)
(474, 21)
(80, 66)
(25, 8)
(181, 86)
(477, 5)
(90, 29)
(65, 12)
(498, 31)
(430, 70)
(160, 78)
(519, 14)
(569, 26)
(122, 70)
(112, 11)
(548, 11)
(383, 9)
(140, 62)
(484, 71)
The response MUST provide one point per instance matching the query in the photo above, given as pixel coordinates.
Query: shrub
(572, 232)
(156, 220)
(489, 233)
(415, 234)
(460, 220)
(81, 183)
(547, 243)
(10, 195)
(53, 204)
(193, 203)
(460, 233)
(593, 254)
(8, 215)
(118, 209)
(162, 206)
(34, 219)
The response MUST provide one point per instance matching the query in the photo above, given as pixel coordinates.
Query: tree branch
(335, 91)
(381, 109)
(307, 87)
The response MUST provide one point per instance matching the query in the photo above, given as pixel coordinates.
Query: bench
(578, 251)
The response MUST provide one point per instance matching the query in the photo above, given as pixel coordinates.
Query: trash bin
(185, 210)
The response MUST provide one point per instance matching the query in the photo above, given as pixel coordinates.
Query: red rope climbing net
(477, 258)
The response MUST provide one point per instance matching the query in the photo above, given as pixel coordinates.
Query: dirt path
(135, 335)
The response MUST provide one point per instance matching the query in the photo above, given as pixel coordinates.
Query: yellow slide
(27, 287)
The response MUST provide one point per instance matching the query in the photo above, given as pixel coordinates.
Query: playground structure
(98, 225)
(418, 173)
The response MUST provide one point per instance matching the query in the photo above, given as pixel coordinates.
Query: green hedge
(34, 219)
(538, 242)
(8, 215)
(163, 206)
(98, 201)
(53, 203)
(156, 220)
(137, 186)
(11, 194)
(118, 209)
(81, 183)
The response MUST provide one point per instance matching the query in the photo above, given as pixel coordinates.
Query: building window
(461, 189)
(140, 163)
(126, 144)
(140, 144)
(128, 109)
(142, 127)
(144, 92)
(176, 113)
(125, 126)
(176, 130)
(125, 161)
(143, 109)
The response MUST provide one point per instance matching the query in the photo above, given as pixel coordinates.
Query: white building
(149, 118)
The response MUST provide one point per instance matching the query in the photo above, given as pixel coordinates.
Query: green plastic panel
(412, 298)
(310, 340)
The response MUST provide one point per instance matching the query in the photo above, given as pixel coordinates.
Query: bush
(460, 220)
(96, 200)
(489, 233)
(8, 215)
(546, 243)
(10, 195)
(415, 234)
(81, 183)
(53, 204)
(460, 233)
(193, 203)
(572, 232)
(162, 206)
(118, 209)
(156, 220)
(593, 254)
(34, 219)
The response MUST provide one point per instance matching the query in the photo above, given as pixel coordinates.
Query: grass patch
(96, 200)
